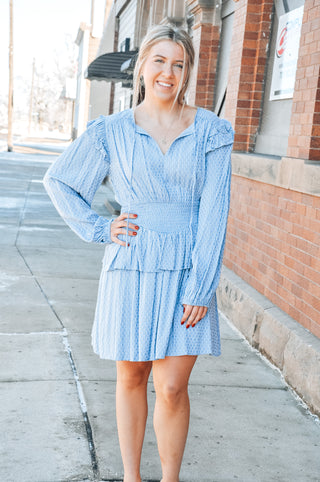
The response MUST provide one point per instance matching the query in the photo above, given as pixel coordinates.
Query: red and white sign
(286, 55)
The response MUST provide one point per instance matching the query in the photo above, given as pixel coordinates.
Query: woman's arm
(74, 178)
(213, 216)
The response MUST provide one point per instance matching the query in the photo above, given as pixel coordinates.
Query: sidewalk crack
(84, 410)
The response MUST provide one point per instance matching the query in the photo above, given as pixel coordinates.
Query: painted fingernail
(193, 325)
(134, 233)
(136, 227)
(182, 322)
(135, 215)
(184, 309)
(128, 244)
(187, 326)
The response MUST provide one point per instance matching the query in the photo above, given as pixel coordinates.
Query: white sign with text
(286, 55)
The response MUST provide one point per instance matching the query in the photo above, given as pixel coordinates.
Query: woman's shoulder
(212, 121)
(216, 132)
(119, 117)
(112, 119)
(100, 127)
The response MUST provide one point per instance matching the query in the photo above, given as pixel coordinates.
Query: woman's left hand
(193, 314)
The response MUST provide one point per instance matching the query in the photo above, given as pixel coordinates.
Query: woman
(169, 164)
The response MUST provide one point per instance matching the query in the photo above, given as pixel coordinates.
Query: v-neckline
(182, 134)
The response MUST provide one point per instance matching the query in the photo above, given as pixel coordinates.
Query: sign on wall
(286, 55)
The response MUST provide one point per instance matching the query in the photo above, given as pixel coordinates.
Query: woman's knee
(172, 392)
(131, 375)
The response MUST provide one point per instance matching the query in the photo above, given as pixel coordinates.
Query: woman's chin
(164, 96)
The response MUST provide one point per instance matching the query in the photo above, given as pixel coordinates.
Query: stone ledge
(289, 173)
(288, 345)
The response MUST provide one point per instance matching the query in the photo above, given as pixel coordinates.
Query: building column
(206, 44)
(250, 38)
(304, 134)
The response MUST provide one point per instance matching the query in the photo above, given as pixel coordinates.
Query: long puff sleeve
(208, 249)
(74, 178)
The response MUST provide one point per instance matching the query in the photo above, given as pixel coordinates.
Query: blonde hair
(155, 35)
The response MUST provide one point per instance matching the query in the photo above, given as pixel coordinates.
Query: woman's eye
(159, 60)
(179, 65)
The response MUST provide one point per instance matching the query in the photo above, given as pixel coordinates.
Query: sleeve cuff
(194, 302)
(102, 230)
(106, 236)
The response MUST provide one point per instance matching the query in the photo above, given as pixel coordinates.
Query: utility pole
(107, 11)
(10, 96)
(92, 14)
(31, 97)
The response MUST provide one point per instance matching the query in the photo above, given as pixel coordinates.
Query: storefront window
(273, 133)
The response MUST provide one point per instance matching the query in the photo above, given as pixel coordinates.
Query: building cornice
(203, 11)
(286, 172)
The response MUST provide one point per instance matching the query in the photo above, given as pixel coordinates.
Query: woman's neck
(161, 112)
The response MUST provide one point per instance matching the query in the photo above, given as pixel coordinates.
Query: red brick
(240, 146)
(314, 155)
(314, 328)
(241, 137)
(312, 300)
(315, 24)
(316, 130)
(316, 118)
(305, 28)
(254, 7)
(251, 35)
(315, 142)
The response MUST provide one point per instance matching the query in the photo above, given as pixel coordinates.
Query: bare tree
(49, 102)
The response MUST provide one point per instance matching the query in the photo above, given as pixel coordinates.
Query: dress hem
(205, 352)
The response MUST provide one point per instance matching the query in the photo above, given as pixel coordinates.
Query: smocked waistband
(162, 216)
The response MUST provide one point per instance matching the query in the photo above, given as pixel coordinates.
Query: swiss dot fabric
(182, 201)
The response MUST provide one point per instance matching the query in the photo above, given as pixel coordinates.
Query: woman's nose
(168, 69)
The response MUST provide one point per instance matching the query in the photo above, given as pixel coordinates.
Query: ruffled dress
(182, 201)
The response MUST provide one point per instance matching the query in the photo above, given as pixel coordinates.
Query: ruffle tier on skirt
(138, 318)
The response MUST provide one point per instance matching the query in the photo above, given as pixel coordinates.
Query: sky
(40, 28)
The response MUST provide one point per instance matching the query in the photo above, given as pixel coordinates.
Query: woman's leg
(132, 410)
(172, 410)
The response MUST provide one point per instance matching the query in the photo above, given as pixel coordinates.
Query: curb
(287, 344)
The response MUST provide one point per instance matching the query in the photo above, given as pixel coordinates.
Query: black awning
(108, 67)
(128, 65)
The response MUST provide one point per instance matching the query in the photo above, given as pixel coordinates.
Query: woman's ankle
(132, 478)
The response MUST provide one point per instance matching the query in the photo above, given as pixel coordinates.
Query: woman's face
(162, 70)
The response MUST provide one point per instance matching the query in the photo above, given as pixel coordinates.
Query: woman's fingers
(122, 222)
(126, 215)
(196, 315)
(116, 232)
(193, 314)
(189, 314)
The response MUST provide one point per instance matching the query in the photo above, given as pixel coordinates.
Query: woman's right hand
(121, 222)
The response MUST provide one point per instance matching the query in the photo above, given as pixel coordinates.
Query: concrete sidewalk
(57, 397)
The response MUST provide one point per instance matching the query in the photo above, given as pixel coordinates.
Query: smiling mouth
(164, 84)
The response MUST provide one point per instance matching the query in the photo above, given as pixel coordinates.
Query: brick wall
(248, 57)
(304, 139)
(206, 36)
(206, 42)
(273, 243)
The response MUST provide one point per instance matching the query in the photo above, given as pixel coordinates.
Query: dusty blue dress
(182, 202)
